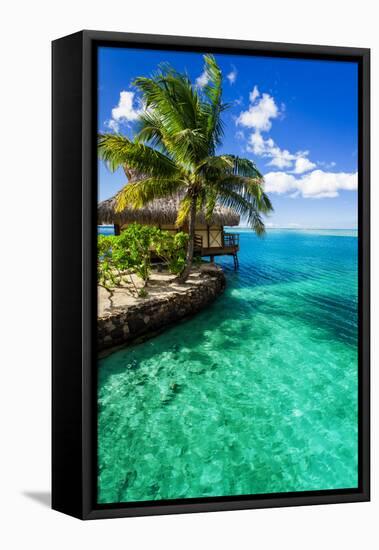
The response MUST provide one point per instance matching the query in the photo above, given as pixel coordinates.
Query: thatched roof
(159, 212)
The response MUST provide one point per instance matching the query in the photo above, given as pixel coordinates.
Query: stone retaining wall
(143, 320)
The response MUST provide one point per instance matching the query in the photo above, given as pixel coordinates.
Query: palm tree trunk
(191, 241)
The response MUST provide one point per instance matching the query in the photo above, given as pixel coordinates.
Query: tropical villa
(210, 237)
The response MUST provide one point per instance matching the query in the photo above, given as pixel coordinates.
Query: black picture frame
(74, 89)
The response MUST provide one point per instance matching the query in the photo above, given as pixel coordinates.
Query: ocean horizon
(348, 232)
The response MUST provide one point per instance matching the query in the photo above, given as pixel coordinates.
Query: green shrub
(130, 252)
(172, 249)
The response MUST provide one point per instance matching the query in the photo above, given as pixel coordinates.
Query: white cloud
(232, 76)
(262, 110)
(254, 94)
(258, 145)
(296, 174)
(238, 101)
(271, 225)
(326, 164)
(279, 182)
(202, 80)
(280, 158)
(327, 184)
(260, 113)
(316, 184)
(112, 125)
(302, 164)
(127, 110)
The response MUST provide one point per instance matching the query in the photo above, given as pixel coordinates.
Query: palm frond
(249, 189)
(210, 203)
(176, 119)
(150, 130)
(119, 151)
(173, 96)
(177, 136)
(111, 149)
(219, 166)
(245, 208)
(243, 167)
(184, 210)
(215, 166)
(214, 106)
(138, 194)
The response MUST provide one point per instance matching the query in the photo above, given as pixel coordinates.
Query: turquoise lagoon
(256, 394)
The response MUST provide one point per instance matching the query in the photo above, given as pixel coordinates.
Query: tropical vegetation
(123, 256)
(174, 151)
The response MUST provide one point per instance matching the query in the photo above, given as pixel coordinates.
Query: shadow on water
(306, 292)
(219, 316)
(182, 395)
(338, 315)
(331, 316)
(252, 276)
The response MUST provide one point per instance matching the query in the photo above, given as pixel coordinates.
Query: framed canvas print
(210, 274)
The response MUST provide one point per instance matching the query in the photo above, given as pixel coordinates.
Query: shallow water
(256, 394)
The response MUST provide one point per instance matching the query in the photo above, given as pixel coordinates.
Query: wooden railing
(198, 243)
(231, 239)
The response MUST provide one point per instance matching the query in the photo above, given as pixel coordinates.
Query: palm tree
(174, 151)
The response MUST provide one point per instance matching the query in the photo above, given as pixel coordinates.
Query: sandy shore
(160, 285)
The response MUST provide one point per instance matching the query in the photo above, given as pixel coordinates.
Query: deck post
(236, 262)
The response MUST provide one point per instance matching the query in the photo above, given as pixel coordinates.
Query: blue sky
(296, 119)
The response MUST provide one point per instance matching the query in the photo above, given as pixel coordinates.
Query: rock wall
(143, 320)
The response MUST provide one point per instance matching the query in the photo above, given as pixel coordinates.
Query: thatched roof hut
(160, 212)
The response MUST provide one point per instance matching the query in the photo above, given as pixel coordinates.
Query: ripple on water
(256, 394)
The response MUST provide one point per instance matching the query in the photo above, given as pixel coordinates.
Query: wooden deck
(222, 251)
(230, 248)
